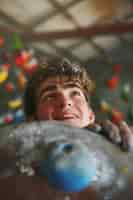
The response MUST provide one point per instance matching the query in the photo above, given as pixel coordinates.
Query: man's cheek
(43, 113)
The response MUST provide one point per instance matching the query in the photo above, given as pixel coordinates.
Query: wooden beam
(85, 32)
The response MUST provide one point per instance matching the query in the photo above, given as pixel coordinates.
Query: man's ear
(91, 117)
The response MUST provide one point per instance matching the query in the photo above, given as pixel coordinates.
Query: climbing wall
(111, 70)
(17, 62)
(113, 75)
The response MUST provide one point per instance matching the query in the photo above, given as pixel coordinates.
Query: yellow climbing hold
(15, 103)
(21, 79)
(3, 75)
(124, 170)
(104, 106)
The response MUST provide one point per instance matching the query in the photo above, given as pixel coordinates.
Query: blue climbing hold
(68, 166)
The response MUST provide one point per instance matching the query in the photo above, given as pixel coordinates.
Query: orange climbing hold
(113, 82)
(117, 116)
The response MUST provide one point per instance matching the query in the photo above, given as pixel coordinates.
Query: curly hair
(54, 68)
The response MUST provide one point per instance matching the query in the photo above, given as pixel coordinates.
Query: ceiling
(70, 28)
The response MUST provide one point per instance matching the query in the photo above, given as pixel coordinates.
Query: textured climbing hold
(104, 106)
(9, 87)
(125, 94)
(113, 82)
(124, 170)
(30, 66)
(19, 60)
(16, 42)
(8, 119)
(117, 116)
(19, 116)
(21, 80)
(66, 166)
(13, 104)
(3, 75)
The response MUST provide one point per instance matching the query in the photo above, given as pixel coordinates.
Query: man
(61, 90)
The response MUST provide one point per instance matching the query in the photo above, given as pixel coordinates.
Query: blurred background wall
(95, 33)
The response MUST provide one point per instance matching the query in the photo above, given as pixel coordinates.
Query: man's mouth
(67, 116)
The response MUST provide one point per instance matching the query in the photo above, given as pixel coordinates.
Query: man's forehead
(55, 83)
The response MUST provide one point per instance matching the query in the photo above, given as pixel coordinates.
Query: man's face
(60, 99)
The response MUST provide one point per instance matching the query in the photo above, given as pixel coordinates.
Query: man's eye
(75, 93)
(47, 98)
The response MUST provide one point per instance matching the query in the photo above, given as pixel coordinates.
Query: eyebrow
(52, 87)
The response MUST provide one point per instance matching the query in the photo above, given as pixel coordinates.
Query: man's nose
(64, 102)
